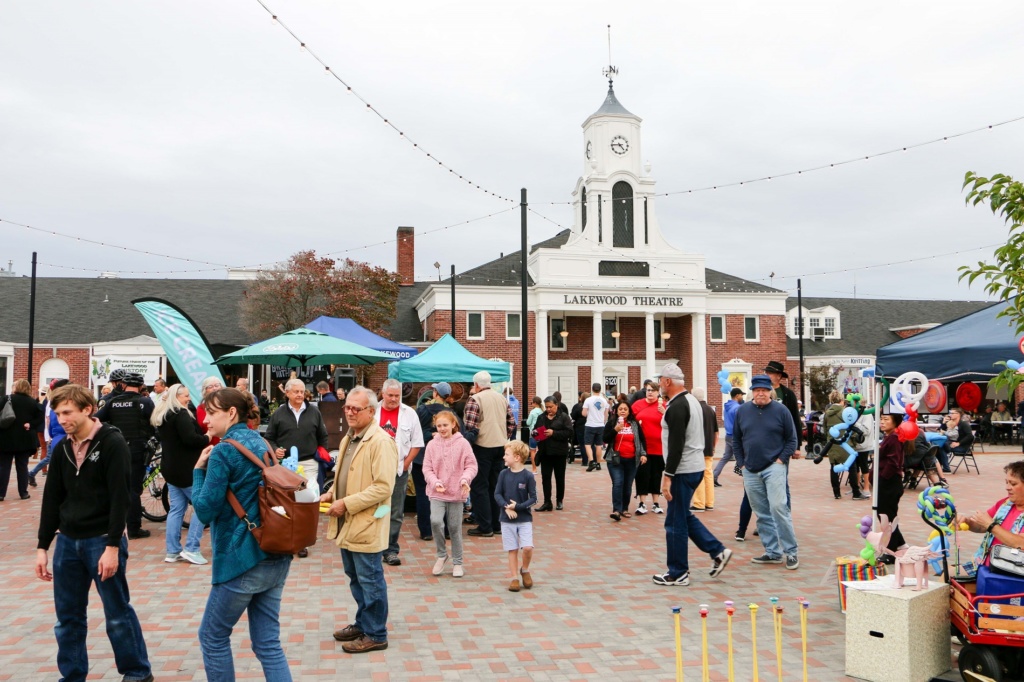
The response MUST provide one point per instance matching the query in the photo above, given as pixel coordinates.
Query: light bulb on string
(302, 47)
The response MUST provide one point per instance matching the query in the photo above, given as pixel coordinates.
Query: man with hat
(776, 372)
(440, 400)
(764, 440)
(729, 418)
(682, 437)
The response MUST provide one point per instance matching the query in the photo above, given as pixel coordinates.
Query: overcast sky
(200, 130)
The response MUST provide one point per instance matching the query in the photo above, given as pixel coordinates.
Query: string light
(370, 108)
(219, 266)
(775, 176)
(884, 265)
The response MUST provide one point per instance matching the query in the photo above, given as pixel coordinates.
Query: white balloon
(902, 391)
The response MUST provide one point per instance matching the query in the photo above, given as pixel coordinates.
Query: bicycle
(155, 500)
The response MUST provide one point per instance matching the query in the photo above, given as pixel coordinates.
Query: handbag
(7, 416)
(1006, 559)
(286, 525)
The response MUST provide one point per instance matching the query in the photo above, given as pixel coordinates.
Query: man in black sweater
(86, 499)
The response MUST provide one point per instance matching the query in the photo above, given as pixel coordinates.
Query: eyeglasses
(352, 409)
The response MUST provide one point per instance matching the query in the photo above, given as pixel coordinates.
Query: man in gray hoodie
(682, 437)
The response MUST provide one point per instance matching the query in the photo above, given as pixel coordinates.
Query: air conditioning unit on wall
(817, 333)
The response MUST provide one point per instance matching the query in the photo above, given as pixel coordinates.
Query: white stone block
(897, 635)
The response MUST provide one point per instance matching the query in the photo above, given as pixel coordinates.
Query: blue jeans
(366, 582)
(180, 499)
(681, 525)
(727, 456)
(257, 592)
(622, 482)
(767, 492)
(75, 565)
(45, 460)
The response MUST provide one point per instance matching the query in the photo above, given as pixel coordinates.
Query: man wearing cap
(401, 423)
(130, 412)
(764, 440)
(682, 438)
(776, 372)
(729, 418)
(441, 400)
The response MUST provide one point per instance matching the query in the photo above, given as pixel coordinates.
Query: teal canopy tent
(302, 347)
(448, 361)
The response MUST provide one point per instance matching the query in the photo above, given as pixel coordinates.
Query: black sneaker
(672, 581)
(717, 484)
(392, 560)
(792, 563)
(719, 563)
(476, 532)
(32, 480)
(740, 537)
(766, 559)
(138, 534)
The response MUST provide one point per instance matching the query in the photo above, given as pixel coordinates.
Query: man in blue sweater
(763, 440)
(729, 418)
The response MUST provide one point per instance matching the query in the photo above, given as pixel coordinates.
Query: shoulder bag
(7, 416)
(286, 526)
(1006, 559)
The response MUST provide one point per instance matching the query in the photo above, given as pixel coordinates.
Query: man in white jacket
(403, 424)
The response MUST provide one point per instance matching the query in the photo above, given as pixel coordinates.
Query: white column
(541, 360)
(649, 344)
(597, 369)
(700, 357)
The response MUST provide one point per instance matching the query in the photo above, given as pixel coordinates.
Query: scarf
(986, 542)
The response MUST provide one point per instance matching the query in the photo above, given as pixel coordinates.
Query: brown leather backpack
(278, 533)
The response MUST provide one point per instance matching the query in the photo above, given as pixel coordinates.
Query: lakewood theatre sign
(618, 299)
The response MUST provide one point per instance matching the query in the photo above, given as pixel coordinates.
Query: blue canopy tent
(349, 330)
(447, 360)
(964, 349)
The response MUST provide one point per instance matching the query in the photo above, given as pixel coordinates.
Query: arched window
(583, 205)
(622, 215)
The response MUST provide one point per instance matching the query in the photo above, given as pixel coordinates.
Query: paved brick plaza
(593, 612)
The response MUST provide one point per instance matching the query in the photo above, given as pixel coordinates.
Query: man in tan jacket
(359, 519)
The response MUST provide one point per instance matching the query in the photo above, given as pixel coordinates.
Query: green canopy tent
(302, 347)
(447, 360)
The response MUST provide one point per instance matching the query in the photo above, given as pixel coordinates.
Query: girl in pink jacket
(448, 468)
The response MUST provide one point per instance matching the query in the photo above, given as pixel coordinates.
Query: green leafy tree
(309, 286)
(1004, 274)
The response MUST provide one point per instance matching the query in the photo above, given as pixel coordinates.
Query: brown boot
(527, 580)
(348, 633)
(513, 586)
(363, 645)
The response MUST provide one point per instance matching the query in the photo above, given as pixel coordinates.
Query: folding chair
(967, 459)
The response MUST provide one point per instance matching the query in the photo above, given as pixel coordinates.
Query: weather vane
(610, 72)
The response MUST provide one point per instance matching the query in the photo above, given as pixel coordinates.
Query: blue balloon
(723, 375)
(1013, 364)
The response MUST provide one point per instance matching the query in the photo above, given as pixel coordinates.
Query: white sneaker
(172, 558)
(641, 509)
(657, 509)
(458, 571)
(439, 565)
(194, 558)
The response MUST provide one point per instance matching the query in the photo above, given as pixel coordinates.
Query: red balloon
(908, 430)
(968, 396)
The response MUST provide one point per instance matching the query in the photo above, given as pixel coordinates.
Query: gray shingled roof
(74, 311)
(865, 323)
(406, 326)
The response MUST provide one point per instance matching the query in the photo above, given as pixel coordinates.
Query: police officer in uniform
(129, 411)
(117, 380)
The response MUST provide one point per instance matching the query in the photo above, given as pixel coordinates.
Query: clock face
(590, 149)
(620, 145)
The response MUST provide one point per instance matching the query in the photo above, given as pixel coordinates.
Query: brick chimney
(406, 256)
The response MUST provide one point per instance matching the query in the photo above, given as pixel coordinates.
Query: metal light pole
(32, 319)
(804, 393)
(453, 300)
(524, 326)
